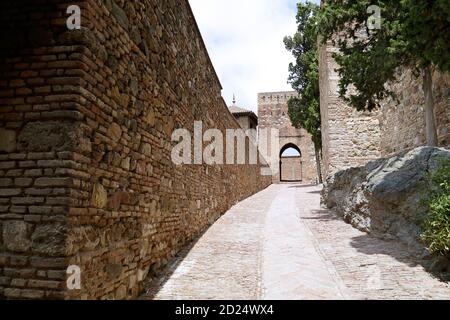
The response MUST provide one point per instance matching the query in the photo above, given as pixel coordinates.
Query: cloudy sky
(245, 41)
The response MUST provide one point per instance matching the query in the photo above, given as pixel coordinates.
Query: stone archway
(291, 164)
(273, 115)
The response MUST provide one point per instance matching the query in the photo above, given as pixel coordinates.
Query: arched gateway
(273, 114)
(290, 163)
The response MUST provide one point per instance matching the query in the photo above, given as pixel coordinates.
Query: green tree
(411, 33)
(304, 111)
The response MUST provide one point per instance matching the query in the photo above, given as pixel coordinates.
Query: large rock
(384, 197)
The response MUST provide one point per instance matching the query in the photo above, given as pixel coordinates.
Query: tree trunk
(319, 166)
(430, 122)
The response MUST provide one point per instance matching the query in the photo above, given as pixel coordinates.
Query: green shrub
(436, 228)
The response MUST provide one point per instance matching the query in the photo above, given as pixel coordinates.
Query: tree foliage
(413, 33)
(304, 111)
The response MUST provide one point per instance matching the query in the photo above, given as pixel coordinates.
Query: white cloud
(245, 41)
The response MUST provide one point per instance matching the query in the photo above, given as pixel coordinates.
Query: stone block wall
(273, 114)
(350, 138)
(402, 120)
(86, 118)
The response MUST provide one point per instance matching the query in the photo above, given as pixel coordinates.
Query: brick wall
(86, 118)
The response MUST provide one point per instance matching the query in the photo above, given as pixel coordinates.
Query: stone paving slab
(279, 244)
(225, 263)
(292, 267)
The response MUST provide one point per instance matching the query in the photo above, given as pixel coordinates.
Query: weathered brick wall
(350, 138)
(40, 123)
(402, 121)
(273, 113)
(86, 119)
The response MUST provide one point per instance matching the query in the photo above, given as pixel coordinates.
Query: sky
(244, 39)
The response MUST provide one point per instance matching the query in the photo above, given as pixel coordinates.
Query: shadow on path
(322, 215)
(299, 185)
(156, 280)
(375, 244)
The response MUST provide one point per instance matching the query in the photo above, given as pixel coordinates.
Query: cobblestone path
(279, 244)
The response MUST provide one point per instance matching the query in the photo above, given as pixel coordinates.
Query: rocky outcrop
(384, 197)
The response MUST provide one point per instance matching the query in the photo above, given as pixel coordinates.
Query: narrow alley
(280, 244)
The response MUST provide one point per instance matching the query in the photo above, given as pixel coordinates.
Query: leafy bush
(437, 224)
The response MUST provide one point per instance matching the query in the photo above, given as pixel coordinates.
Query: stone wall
(273, 114)
(350, 138)
(244, 122)
(86, 118)
(402, 120)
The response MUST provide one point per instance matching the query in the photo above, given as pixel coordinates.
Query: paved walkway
(279, 244)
